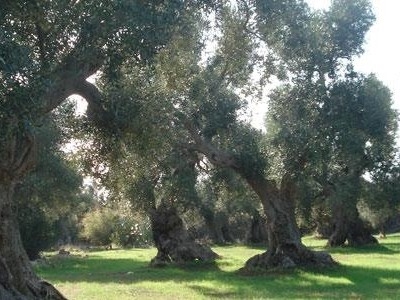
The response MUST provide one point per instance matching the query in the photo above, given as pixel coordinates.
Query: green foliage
(247, 146)
(104, 226)
(60, 43)
(379, 198)
(99, 226)
(349, 23)
(50, 197)
(38, 230)
(132, 231)
(311, 42)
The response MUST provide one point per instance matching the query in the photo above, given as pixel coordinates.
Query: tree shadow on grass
(209, 281)
(94, 268)
(339, 283)
(377, 249)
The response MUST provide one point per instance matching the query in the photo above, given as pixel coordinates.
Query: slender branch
(247, 21)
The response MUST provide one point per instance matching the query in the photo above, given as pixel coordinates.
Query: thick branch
(215, 156)
(40, 43)
(80, 64)
(92, 95)
(267, 190)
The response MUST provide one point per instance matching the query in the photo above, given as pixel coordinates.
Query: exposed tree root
(292, 256)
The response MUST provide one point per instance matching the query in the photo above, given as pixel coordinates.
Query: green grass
(365, 273)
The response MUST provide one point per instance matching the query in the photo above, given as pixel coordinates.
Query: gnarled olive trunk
(285, 248)
(17, 278)
(347, 226)
(172, 239)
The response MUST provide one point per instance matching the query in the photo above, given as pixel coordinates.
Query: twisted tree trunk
(285, 249)
(172, 239)
(347, 226)
(17, 278)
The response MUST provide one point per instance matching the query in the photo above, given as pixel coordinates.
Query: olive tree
(47, 51)
(198, 116)
(190, 106)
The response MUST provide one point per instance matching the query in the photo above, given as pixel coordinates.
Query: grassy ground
(365, 273)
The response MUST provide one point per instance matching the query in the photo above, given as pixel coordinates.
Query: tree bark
(172, 240)
(349, 227)
(285, 248)
(17, 278)
(338, 236)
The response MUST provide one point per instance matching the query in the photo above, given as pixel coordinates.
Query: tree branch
(40, 43)
(81, 63)
(214, 155)
(96, 112)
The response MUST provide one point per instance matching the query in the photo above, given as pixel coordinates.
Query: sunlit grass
(371, 272)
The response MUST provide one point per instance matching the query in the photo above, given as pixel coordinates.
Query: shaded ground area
(369, 273)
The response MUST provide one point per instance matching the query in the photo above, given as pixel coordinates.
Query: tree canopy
(47, 51)
(163, 113)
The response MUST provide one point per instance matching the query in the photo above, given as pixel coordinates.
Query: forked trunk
(172, 240)
(17, 278)
(285, 248)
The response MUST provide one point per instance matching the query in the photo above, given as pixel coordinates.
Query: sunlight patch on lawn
(370, 272)
(326, 280)
(389, 281)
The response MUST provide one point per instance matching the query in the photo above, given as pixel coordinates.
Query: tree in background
(379, 198)
(342, 137)
(330, 125)
(191, 109)
(230, 212)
